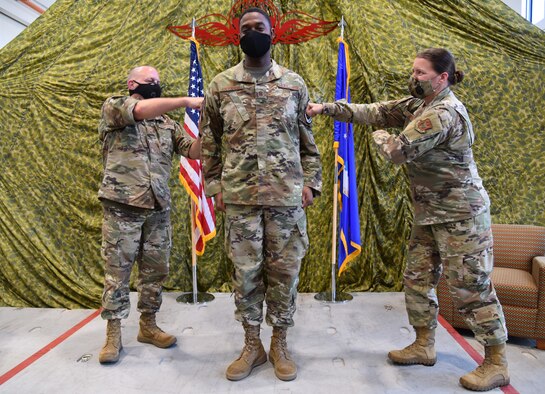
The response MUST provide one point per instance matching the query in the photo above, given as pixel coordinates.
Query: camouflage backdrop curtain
(55, 76)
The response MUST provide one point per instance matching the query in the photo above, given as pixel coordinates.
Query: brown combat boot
(284, 366)
(421, 351)
(252, 355)
(491, 373)
(150, 333)
(110, 351)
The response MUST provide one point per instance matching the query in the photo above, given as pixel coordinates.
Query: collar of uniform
(241, 75)
(445, 92)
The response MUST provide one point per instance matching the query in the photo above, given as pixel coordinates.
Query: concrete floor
(338, 348)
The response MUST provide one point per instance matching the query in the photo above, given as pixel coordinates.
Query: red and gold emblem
(293, 27)
(424, 125)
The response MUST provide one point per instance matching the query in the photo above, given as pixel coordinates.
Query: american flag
(191, 170)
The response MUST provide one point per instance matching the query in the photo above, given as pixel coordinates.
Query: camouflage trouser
(464, 250)
(266, 245)
(130, 235)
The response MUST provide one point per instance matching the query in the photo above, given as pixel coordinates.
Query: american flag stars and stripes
(191, 170)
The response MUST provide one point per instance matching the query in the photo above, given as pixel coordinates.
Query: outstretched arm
(150, 108)
(384, 114)
(314, 109)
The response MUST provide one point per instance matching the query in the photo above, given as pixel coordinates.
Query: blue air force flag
(349, 223)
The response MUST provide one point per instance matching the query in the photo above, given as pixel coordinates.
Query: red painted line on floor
(475, 355)
(18, 368)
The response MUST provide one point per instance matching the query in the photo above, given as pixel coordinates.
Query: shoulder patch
(423, 126)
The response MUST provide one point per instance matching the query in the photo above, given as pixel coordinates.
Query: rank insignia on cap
(424, 125)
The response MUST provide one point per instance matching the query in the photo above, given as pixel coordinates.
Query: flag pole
(193, 253)
(334, 237)
(193, 213)
(194, 297)
(333, 297)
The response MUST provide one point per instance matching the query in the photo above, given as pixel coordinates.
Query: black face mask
(147, 90)
(255, 44)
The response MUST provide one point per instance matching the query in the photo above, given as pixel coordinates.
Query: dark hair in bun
(458, 76)
(442, 61)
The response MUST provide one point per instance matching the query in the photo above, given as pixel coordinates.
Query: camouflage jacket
(137, 155)
(257, 142)
(436, 146)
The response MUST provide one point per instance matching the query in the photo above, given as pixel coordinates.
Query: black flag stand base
(194, 297)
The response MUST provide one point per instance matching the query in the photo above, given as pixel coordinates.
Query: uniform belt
(126, 207)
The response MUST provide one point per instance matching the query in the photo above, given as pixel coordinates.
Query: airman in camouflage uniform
(138, 144)
(262, 165)
(451, 228)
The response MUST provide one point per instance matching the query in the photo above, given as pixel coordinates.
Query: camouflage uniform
(137, 158)
(452, 220)
(261, 130)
